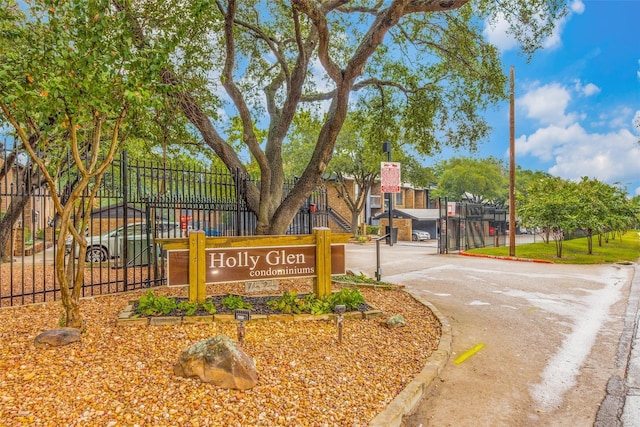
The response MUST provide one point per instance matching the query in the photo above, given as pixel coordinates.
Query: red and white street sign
(390, 177)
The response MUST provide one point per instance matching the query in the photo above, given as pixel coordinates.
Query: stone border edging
(507, 258)
(406, 402)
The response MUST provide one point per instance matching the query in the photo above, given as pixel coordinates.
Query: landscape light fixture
(340, 309)
(241, 316)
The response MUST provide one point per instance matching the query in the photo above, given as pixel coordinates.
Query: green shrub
(350, 298)
(188, 307)
(373, 229)
(27, 235)
(318, 305)
(288, 303)
(235, 302)
(209, 306)
(151, 305)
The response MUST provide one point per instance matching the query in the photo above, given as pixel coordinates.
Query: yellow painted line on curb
(467, 354)
(532, 309)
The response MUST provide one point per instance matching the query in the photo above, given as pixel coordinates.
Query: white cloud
(577, 6)
(590, 89)
(610, 157)
(587, 90)
(496, 31)
(619, 118)
(496, 34)
(544, 142)
(547, 104)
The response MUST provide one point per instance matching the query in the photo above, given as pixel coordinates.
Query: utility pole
(512, 170)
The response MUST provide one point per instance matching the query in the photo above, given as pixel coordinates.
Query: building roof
(418, 214)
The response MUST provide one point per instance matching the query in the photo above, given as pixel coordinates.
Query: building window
(398, 201)
(374, 202)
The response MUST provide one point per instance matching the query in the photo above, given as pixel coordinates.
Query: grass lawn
(625, 249)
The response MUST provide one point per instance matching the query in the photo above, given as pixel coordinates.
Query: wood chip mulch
(123, 375)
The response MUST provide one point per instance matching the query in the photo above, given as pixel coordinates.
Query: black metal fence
(467, 225)
(136, 203)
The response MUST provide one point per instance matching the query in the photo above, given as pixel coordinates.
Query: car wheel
(96, 254)
(414, 237)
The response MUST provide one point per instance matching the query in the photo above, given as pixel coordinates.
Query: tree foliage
(477, 180)
(560, 206)
(268, 62)
(550, 206)
(73, 84)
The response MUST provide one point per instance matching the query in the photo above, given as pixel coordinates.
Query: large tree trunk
(355, 222)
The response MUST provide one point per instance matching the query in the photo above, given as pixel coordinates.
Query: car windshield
(135, 229)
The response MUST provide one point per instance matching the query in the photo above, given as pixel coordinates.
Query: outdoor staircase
(344, 223)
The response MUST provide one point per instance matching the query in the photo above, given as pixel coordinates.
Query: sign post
(322, 281)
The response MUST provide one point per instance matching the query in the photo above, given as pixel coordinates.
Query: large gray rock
(218, 361)
(57, 337)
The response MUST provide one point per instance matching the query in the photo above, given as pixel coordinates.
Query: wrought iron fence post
(124, 169)
(239, 197)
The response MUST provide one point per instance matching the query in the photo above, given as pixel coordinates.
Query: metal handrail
(378, 268)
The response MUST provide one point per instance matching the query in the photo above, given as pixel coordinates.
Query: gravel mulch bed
(123, 375)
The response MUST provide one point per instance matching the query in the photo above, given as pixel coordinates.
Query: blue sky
(576, 100)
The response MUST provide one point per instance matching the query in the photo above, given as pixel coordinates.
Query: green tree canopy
(482, 180)
(268, 62)
(73, 84)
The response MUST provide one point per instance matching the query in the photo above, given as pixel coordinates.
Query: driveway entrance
(547, 336)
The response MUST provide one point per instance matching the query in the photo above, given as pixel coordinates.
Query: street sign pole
(386, 148)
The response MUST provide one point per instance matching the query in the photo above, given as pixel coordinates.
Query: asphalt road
(541, 341)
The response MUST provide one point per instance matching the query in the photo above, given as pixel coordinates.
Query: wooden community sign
(198, 260)
(241, 264)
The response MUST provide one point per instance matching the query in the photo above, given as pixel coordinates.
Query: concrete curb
(406, 402)
(631, 411)
(507, 258)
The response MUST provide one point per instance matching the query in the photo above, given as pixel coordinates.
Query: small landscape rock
(218, 361)
(396, 321)
(57, 337)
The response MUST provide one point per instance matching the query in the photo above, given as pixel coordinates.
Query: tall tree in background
(73, 85)
(551, 206)
(477, 180)
(268, 61)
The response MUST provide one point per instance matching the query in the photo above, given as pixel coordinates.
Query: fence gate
(468, 225)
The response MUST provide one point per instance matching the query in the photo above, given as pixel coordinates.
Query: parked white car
(419, 235)
(110, 245)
